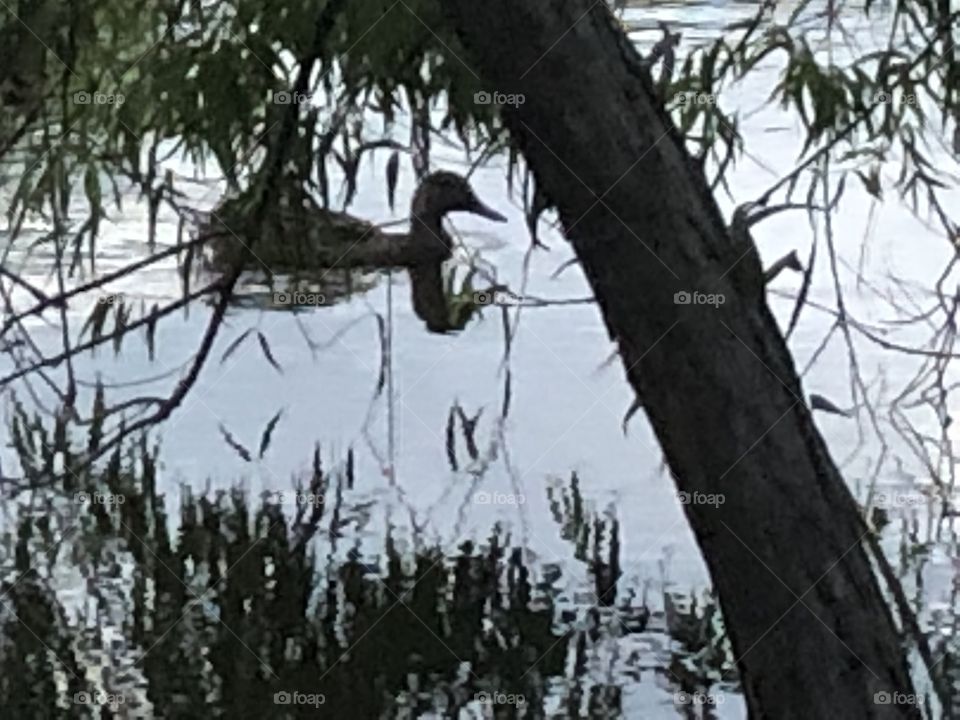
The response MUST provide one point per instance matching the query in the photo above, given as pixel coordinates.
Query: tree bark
(812, 633)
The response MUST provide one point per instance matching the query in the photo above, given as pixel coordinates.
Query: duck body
(304, 240)
(308, 237)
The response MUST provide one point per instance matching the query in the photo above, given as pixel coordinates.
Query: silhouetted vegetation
(272, 607)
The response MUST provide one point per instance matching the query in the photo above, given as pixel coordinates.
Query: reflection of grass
(704, 657)
(248, 600)
(701, 656)
(245, 600)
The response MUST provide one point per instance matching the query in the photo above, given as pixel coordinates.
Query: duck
(441, 193)
(314, 238)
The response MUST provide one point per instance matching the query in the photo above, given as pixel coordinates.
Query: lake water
(568, 401)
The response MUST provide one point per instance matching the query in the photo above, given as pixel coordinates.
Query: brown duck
(310, 238)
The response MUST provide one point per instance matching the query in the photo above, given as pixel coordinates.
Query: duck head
(444, 192)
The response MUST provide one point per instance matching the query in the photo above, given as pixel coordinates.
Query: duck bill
(478, 208)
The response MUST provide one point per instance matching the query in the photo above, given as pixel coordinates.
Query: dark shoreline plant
(243, 601)
(214, 612)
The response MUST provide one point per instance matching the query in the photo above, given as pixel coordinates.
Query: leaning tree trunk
(812, 633)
